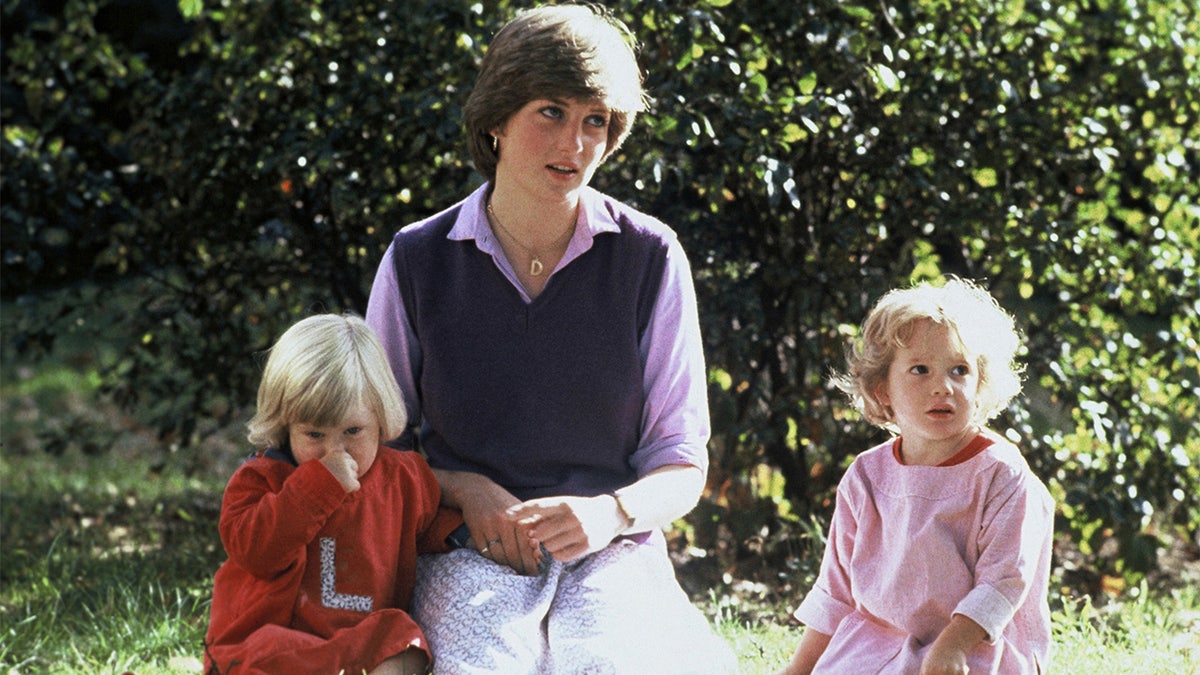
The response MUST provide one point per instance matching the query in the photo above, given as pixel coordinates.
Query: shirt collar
(472, 222)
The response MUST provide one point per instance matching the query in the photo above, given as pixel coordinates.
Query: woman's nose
(571, 139)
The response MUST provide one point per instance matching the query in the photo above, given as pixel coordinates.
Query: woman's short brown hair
(579, 52)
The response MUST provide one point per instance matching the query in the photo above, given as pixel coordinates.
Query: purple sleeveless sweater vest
(545, 398)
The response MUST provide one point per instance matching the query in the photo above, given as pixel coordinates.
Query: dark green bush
(811, 155)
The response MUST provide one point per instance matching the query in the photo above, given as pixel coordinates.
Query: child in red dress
(323, 525)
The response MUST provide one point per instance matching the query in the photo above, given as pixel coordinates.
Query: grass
(1142, 636)
(107, 553)
(107, 568)
(1150, 636)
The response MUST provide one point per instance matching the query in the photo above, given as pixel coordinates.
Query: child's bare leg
(408, 662)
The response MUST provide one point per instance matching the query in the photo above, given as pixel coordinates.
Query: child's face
(931, 388)
(357, 433)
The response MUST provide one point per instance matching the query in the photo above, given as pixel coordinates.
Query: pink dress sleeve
(831, 598)
(1017, 529)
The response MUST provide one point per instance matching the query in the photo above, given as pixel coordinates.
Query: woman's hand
(571, 527)
(495, 533)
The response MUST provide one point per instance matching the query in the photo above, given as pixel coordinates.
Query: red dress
(319, 580)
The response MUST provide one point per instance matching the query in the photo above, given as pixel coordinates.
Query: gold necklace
(535, 265)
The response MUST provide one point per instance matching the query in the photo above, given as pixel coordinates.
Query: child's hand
(344, 468)
(944, 662)
(948, 654)
(411, 661)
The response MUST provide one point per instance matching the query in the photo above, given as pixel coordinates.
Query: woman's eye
(961, 371)
(918, 370)
(598, 121)
(315, 435)
(552, 111)
(354, 431)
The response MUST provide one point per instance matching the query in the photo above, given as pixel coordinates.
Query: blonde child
(938, 555)
(323, 525)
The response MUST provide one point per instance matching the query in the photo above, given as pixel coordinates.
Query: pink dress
(910, 546)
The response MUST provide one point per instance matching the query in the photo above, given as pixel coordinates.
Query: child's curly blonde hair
(978, 325)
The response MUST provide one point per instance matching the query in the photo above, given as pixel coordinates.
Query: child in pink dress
(938, 555)
(323, 526)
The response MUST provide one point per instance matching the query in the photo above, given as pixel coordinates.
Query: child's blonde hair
(978, 325)
(318, 370)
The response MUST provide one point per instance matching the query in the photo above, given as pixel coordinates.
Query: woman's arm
(659, 498)
(387, 316)
(485, 507)
(675, 423)
(672, 454)
(572, 527)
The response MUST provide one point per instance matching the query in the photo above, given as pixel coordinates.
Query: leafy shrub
(811, 155)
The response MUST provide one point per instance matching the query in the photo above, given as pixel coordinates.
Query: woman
(546, 338)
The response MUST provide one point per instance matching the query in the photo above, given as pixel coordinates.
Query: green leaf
(190, 9)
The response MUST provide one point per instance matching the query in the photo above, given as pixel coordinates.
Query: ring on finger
(488, 546)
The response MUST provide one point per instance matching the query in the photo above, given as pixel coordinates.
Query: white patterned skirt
(619, 610)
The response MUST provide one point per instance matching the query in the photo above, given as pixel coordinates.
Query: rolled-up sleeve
(831, 598)
(1016, 532)
(675, 420)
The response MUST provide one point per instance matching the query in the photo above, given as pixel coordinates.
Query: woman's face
(550, 149)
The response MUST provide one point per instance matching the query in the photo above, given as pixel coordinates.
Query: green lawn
(107, 552)
(107, 565)
(1153, 637)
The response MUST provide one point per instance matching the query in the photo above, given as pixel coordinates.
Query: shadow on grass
(95, 574)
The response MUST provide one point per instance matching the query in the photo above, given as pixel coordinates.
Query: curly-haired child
(938, 554)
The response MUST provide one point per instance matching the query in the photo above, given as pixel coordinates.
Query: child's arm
(435, 523)
(832, 597)
(268, 517)
(812, 645)
(434, 538)
(1014, 544)
(948, 655)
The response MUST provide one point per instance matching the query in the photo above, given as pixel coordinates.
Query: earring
(495, 145)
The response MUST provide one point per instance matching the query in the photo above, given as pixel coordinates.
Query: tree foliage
(811, 155)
